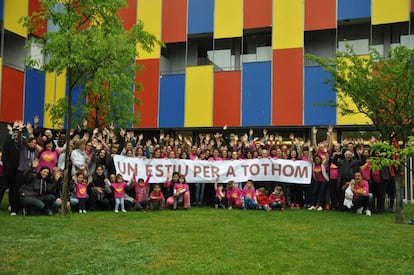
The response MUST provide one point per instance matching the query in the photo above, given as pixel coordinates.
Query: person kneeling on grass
(362, 200)
(37, 192)
(233, 195)
(249, 196)
(277, 199)
(181, 194)
(262, 199)
(141, 200)
(220, 198)
(156, 198)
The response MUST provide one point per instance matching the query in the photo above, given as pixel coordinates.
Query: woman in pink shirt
(50, 155)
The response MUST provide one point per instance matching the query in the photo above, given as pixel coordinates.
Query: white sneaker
(319, 208)
(84, 211)
(312, 208)
(368, 212)
(124, 210)
(230, 207)
(13, 214)
(359, 210)
(116, 211)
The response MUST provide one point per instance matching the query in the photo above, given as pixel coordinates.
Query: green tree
(98, 56)
(381, 87)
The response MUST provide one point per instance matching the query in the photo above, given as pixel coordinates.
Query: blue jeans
(199, 192)
(249, 204)
(119, 202)
(43, 202)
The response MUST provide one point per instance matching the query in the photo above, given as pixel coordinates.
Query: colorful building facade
(226, 62)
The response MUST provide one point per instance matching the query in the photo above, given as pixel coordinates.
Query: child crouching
(156, 197)
(277, 199)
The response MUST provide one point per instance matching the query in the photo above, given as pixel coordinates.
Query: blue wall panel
(1, 9)
(34, 95)
(317, 93)
(200, 16)
(351, 9)
(171, 110)
(257, 94)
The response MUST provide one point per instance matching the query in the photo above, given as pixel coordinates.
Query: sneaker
(216, 206)
(116, 211)
(80, 211)
(297, 206)
(123, 210)
(84, 211)
(368, 212)
(230, 207)
(223, 206)
(328, 207)
(359, 210)
(319, 208)
(282, 209)
(312, 208)
(13, 214)
(292, 205)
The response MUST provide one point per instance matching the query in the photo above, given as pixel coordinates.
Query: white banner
(207, 171)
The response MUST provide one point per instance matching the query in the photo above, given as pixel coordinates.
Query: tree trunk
(398, 203)
(67, 174)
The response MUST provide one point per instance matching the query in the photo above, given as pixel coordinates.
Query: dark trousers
(318, 193)
(333, 189)
(10, 182)
(379, 196)
(363, 201)
(391, 192)
(156, 204)
(39, 203)
(220, 202)
(82, 203)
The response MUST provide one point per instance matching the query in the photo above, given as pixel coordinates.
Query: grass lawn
(207, 241)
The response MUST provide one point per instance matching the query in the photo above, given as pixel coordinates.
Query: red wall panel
(320, 15)
(174, 21)
(34, 5)
(287, 100)
(412, 5)
(129, 14)
(227, 98)
(149, 78)
(257, 14)
(11, 95)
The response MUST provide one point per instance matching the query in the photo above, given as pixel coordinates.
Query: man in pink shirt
(362, 200)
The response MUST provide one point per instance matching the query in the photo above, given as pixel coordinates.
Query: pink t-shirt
(249, 193)
(181, 186)
(234, 193)
(81, 190)
(366, 171)
(119, 189)
(333, 171)
(48, 159)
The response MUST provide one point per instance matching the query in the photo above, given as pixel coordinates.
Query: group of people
(33, 166)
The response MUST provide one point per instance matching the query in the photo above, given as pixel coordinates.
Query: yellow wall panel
(228, 19)
(359, 119)
(288, 24)
(13, 11)
(199, 97)
(386, 11)
(150, 13)
(55, 88)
